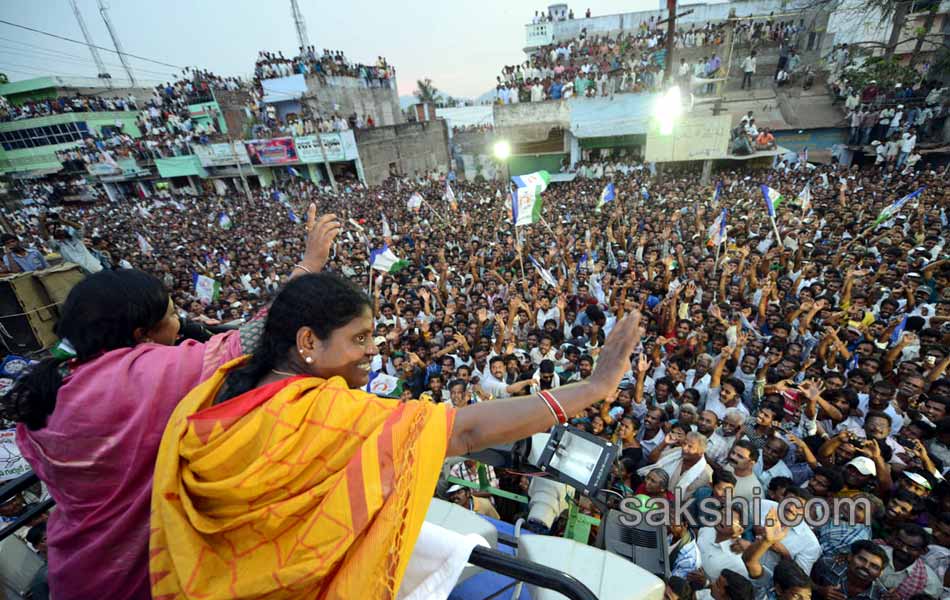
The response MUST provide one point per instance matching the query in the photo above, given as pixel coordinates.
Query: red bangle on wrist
(554, 405)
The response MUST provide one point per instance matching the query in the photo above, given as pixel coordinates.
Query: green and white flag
(537, 181)
(206, 288)
(384, 260)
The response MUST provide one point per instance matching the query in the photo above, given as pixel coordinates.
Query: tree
(426, 91)
(886, 71)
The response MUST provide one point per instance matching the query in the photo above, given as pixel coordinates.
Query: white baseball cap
(864, 465)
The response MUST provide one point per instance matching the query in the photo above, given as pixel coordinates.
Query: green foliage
(888, 72)
(426, 91)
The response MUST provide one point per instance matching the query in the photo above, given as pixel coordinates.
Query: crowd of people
(633, 61)
(330, 63)
(813, 368)
(64, 104)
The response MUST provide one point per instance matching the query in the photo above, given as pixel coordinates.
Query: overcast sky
(461, 46)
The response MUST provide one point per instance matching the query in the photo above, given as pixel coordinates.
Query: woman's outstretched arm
(500, 421)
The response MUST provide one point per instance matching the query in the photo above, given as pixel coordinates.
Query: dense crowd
(64, 104)
(309, 61)
(814, 368)
(633, 61)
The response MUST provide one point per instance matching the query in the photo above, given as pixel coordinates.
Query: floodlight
(502, 150)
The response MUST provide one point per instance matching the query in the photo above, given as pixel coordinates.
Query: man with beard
(652, 434)
(687, 466)
(907, 574)
(771, 462)
(903, 507)
(854, 575)
(18, 259)
(717, 448)
(494, 382)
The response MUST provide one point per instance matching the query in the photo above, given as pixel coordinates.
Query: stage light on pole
(502, 150)
(668, 109)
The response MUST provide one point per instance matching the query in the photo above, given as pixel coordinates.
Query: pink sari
(97, 456)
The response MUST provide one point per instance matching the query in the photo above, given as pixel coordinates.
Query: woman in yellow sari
(279, 478)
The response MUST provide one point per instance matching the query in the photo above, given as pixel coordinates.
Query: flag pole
(520, 247)
(444, 222)
(778, 238)
(716, 264)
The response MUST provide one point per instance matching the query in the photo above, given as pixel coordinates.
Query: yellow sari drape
(300, 489)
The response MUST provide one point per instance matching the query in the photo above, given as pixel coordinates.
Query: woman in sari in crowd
(90, 423)
(280, 477)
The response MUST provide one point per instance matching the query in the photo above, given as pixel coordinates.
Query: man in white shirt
(716, 546)
(800, 542)
(748, 70)
(907, 143)
(546, 311)
(770, 463)
(717, 448)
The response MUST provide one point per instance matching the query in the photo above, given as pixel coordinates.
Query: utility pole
(300, 25)
(103, 74)
(670, 42)
(115, 42)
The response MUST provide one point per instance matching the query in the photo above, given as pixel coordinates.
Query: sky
(461, 46)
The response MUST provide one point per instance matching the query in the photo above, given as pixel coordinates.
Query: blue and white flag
(717, 193)
(293, 217)
(293, 171)
(772, 199)
(224, 221)
(645, 193)
(544, 273)
(891, 210)
(450, 196)
(607, 195)
(144, 246)
(896, 335)
(716, 234)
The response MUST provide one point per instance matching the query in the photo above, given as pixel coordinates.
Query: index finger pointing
(311, 216)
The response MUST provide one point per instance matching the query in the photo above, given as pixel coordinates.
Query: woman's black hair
(323, 302)
(101, 313)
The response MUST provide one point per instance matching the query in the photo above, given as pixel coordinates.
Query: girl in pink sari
(90, 426)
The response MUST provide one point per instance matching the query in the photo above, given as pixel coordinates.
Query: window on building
(37, 137)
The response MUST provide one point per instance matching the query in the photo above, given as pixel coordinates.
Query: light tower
(300, 25)
(115, 42)
(103, 74)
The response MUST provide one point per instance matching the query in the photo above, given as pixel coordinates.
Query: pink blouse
(97, 455)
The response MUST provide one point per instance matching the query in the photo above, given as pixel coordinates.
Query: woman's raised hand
(614, 358)
(320, 236)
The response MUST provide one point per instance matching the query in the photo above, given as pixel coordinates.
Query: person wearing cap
(896, 120)
(17, 259)
(463, 496)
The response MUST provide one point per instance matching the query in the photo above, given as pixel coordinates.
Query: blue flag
(292, 171)
(718, 191)
(293, 217)
(607, 195)
(896, 335)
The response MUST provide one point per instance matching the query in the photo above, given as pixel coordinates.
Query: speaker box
(29, 307)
